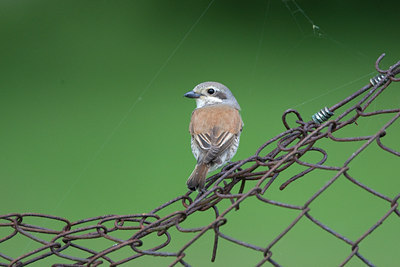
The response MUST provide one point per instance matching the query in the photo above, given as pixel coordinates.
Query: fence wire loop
(284, 120)
(151, 234)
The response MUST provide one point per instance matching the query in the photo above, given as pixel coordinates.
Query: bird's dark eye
(211, 91)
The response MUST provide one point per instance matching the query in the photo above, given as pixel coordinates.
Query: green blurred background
(93, 120)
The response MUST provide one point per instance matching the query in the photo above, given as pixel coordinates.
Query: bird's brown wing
(214, 129)
(213, 146)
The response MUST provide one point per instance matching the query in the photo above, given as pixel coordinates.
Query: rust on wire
(264, 167)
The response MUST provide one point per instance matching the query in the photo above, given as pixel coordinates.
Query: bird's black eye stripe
(211, 91)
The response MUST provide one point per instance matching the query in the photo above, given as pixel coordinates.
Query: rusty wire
(286, 149)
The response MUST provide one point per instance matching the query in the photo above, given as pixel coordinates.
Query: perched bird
(215, 128)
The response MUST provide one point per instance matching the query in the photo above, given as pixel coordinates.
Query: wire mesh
(264, 167)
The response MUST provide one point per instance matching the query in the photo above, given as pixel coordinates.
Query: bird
(215, 128)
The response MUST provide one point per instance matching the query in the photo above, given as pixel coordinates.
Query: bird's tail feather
(197, 179)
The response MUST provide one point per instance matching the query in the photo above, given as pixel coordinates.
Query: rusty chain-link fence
(75, 242)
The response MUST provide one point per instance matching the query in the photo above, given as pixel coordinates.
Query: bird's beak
(192, 94)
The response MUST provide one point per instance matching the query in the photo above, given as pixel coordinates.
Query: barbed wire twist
(265, 167)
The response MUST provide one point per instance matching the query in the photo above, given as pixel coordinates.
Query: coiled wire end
(322, 115)
(377, 79)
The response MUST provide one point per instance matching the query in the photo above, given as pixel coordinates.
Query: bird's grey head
(212, 93)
